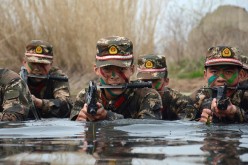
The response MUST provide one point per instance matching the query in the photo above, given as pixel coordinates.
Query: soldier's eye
(122, 69)
(106, 68)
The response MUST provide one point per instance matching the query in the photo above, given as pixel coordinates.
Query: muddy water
(60, 141)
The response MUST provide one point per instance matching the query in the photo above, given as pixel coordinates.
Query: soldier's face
(158, 84)
(220, 75)
(114, 75)
(37, 68)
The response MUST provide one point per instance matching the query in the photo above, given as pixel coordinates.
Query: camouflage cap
(39, 51)
(244, 60)
(151, 66)
(114, 50)
(223, 55)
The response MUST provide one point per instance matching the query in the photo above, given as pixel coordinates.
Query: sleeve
(150, 105)
(192, 110)
(61, 105)
(16, 101)
(174, 104)
(78, 105)
(240, 116)
(113, 116)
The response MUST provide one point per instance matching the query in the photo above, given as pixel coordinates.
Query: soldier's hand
(101, 112)
(37, 101)
(206, 116)
(229, 112)
(84, 116)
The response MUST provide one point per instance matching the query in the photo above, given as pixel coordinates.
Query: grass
(187, 69)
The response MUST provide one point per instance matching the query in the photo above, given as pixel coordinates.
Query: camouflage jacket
(55, 95)
(173, 104)
(15, 97)
(244, 82)
(144, 103)
(202, 96)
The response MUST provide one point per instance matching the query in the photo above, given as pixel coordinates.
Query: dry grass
(73, 27)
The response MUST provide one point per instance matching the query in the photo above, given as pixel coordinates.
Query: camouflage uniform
(55, 94)
(15, 97)
(152, 67)
(244, 60)
(142, 103)
(202, 98)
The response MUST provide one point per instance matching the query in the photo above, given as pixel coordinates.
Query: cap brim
(222, 61)
(120, 63)
(38, 60)
(150, 75)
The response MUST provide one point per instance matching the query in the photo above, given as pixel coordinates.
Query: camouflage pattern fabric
(244, 60)
(200, 97)
(174, 104)
(142, 103)
(15, 97)
(151, 66)
(114, 50)
(39, 51)
(245, 82)
(223, 55)
(55, 95)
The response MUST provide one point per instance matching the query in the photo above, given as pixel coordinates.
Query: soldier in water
(51, 96)
(15, 98)
(153, 68)
(222, 68)
(114, 66)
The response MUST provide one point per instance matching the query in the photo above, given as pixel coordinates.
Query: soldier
(15, 97)
(50, 96)
(244, 71)
(153, 68)
(222, 66)
(114, 66)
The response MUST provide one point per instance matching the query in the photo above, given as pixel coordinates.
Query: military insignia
(113, 50)
(38, 49)
(148, 64)
(226, 52)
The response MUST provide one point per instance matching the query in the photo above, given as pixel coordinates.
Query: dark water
(150, 142)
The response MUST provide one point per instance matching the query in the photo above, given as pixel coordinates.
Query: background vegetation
(74, 26)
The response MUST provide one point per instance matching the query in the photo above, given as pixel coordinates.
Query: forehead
(40, 64)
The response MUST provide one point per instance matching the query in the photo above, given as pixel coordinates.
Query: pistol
(91, 98)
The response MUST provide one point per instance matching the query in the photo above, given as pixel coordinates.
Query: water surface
(60, 141)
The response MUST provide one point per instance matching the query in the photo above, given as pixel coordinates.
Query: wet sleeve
(113, 116)
(16, 101)
(59, 107)
(174, 104)
(240, 116)
(78, 105)
(150, 106)
(192, 110)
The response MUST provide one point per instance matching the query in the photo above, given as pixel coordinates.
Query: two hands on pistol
(220, 107)
(92, 109)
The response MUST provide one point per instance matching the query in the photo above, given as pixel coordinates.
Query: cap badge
(113, 50)
(148, 64)
(38, 49)
(226, 52)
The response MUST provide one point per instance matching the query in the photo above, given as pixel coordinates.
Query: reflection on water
(61, 141)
